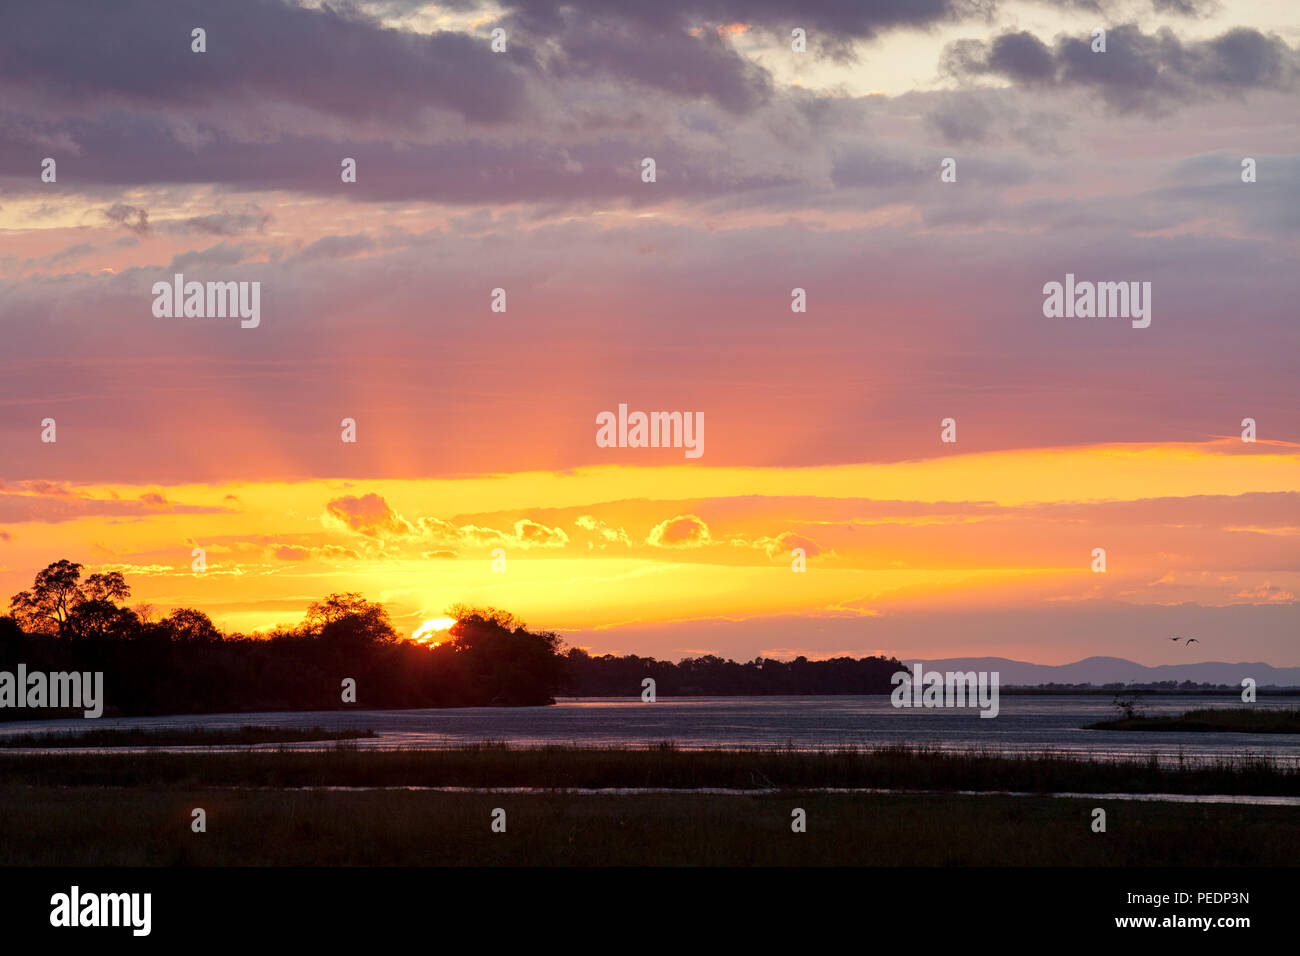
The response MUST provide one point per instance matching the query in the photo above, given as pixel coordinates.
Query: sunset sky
(776, 170)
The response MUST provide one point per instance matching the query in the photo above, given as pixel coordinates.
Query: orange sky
(595, 551)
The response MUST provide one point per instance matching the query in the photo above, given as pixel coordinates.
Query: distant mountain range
(1111, 670)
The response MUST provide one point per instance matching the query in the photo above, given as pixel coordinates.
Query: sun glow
(433, 631)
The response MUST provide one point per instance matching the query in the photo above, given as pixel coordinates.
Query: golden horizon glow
(429, 631)
(594, 552)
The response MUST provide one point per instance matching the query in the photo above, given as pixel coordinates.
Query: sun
(433, 631)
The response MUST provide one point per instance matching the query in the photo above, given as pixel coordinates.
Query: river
(1025, 723)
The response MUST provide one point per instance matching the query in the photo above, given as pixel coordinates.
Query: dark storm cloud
(859, 18)
(342, 61)
(704, 66)
(134, 150)
(339, 63)
(591, 33)
(1138, 72)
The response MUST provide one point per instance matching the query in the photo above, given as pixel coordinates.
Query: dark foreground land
(151, 827)
(1241, 720)
(125, 809)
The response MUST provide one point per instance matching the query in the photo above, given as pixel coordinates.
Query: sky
(476, 475)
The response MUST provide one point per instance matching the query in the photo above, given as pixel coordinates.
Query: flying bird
(1192, 640)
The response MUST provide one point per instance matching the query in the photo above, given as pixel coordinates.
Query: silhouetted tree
(56, 602)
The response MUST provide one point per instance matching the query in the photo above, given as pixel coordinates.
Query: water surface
(1030, 724)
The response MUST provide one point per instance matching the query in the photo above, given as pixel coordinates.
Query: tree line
(182, 662)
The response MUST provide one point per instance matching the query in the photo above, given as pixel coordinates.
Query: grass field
(151, 827)
(128, 809)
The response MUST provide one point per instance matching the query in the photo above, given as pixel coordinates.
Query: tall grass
(57, 826)
(494, 764)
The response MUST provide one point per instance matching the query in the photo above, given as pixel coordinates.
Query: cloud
(668, 59)
(369, 514)
(605, 533)
(1186, 8)
(1138, 72)
(530, 533)
(683, 531)
(130, 217)
(848, 18)
(782, 544)
(223, 254)
(250, 218)
(1266, 593)
(332, 60)
(66, 256)
(57, 507)
(288, 552)
(336, 247)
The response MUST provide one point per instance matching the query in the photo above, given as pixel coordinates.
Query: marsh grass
(494, 764)
(151, 827)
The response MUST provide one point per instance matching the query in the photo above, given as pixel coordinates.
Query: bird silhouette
(1175, 638)
(1192, 640)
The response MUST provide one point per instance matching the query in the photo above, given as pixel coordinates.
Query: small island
(1238, 720)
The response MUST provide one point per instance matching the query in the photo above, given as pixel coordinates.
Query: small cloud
(369, 514)
(1266, 593)
(289, 552)
(605, 532)
(129, 217)
(683, 531)
(227, 223)
(48, 488)
(531, 533)
(222, 254)
(782, 544)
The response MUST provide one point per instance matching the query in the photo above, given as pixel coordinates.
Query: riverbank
(1238, 720)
